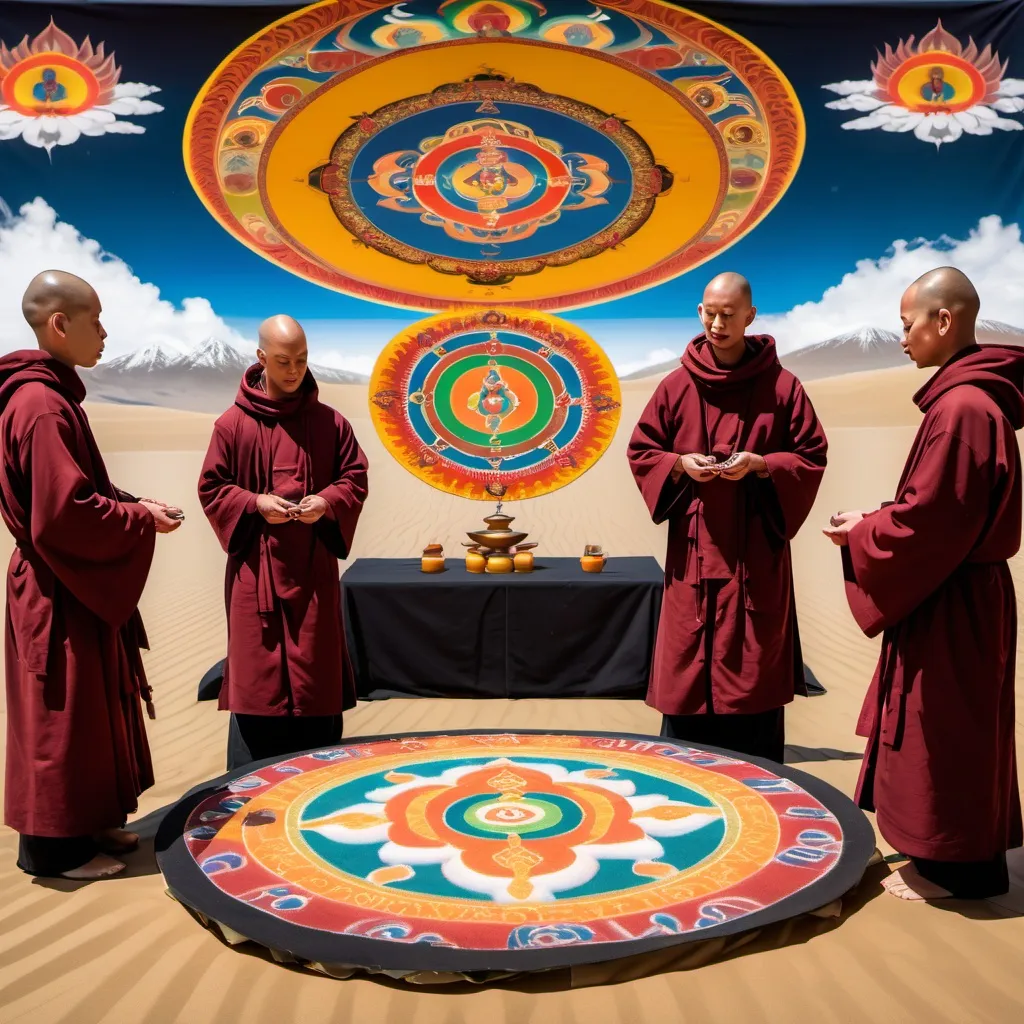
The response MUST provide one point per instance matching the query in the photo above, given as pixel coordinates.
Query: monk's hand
(847, 517)
(698, 467)
(164, 523)
(312, 508)
(737, 466)
(840, 525)
(274, 509)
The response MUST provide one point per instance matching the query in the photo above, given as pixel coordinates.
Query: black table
(555, 632)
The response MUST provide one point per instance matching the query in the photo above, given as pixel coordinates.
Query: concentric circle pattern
(451, 155)
(515, 842)
(495, 403)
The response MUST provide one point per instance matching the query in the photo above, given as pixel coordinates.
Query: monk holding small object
(730, 453)
(283, 485)
(77, 753)
(929, 572)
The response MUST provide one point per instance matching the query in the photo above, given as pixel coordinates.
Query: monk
(928, 571)
(77, 754)
(730, 453)
(283, 486)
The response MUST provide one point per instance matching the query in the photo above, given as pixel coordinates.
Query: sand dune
(121, 951)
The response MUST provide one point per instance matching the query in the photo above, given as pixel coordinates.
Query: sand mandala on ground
(508, 851)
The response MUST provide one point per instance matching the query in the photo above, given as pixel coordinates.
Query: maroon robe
(736, 531)
(286, 644)
(929, 572)
(77, 755)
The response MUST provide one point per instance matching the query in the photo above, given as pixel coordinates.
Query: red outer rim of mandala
(938, 57)
(547, 203)
(775, 880)
(208, 117)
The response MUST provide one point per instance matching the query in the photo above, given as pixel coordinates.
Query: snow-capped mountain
(152, 357)
(867, 348)
(204, 379)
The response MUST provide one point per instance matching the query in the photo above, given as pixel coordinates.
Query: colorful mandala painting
(503, 845)
(495, 403)
(54, 91)
(938, 89)
(481, 152)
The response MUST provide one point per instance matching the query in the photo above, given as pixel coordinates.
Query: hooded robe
(286, 644)
(748, 657)
(928, 571)
(77, 754)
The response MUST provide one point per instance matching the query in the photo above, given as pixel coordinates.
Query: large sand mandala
(508, 851)
(457, 154)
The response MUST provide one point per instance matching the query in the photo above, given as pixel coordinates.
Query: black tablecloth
(555, 632)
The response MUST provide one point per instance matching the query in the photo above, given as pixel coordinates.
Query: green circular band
(543, 415)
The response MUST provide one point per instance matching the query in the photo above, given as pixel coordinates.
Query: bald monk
(730, 453)
(928, 571)
(283, 486)
(77, 754)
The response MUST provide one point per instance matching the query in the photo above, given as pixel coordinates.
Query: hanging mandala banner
(495, 403)
(454, 155)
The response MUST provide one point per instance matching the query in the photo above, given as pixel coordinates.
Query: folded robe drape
(737, 531)
(929, 572)
(77, 754)
(286, 644)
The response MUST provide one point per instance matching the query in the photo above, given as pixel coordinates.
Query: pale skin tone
(939, 312)
(64, 312)
(283, 355)
(726, 312)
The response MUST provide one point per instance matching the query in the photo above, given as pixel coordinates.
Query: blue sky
(855, 193)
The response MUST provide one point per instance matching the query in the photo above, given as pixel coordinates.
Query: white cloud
(659, 355)
(992, 257)
(134, 315)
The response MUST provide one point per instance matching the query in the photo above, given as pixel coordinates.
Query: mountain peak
(215, 354)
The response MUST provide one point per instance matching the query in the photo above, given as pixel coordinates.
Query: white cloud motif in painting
(55, 92)
(938, 89)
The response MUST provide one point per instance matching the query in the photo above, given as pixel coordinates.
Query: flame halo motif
(938, 89)
(53, 91)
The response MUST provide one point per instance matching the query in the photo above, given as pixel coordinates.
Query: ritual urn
(523, 557)
(593, 558)
(499, 563)
(433, 558)
(475, 561)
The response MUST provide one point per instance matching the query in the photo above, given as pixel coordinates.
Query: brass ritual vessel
(495, 544)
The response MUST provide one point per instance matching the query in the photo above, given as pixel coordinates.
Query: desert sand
(121, 951)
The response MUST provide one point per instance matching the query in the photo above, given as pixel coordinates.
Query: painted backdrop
(578, 170)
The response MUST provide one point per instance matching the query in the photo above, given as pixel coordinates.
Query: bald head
(726, 312)
(54, 291)
(730, 285)
(939, 312)
(64, 312)
(281, 330)
(948, 288)
(283, 354)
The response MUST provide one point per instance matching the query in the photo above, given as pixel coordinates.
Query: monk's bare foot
(116, 840)
(908, 884)
(101, 866)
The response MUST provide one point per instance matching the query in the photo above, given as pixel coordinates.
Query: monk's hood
(34, 365)
(997, 369)
(252, 399)
(761, 357)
